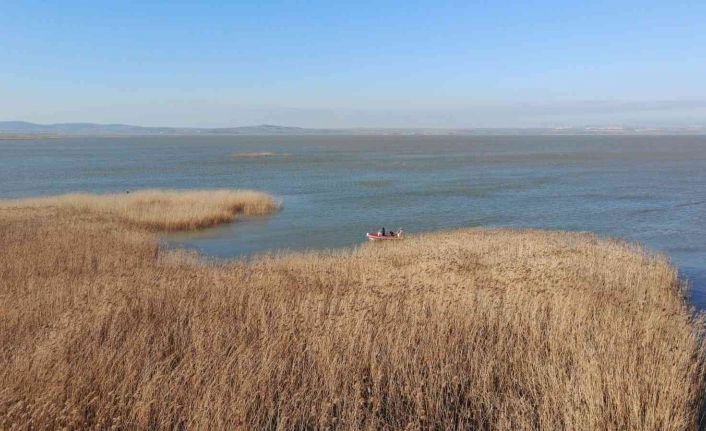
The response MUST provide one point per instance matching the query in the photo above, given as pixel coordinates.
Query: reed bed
(167, 210)
(102, 327)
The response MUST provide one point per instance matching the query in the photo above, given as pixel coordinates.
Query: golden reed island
(102, 327)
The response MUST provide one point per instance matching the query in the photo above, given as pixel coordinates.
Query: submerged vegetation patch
(101, 327)
(254, 155)
(374, 183)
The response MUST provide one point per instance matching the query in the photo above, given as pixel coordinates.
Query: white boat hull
(375, 237)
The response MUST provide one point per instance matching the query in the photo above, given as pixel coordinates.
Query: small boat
(377, 236)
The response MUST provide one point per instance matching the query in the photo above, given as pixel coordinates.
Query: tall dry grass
(159, 209)
(468, 329)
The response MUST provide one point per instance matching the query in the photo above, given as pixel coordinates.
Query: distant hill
(92, 129)
(24, 127)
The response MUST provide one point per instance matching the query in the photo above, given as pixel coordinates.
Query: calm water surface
(335, 188)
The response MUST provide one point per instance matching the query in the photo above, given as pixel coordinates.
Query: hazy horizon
(527, 115)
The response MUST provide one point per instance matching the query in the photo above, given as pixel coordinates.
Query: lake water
(650, 189)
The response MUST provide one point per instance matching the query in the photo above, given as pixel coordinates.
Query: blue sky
(330, 64)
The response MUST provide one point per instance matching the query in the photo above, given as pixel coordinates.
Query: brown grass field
(168, 210)
(102, 327)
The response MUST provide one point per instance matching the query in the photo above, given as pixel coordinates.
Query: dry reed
(467, 329)
(160, 209)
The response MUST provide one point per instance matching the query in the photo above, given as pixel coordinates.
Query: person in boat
(381, 232)
(400, 232)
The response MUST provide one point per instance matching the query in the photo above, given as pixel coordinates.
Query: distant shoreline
(34, 137)
(31, 137)
(25, 130)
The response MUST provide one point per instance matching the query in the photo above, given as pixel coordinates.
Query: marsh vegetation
(101, 326)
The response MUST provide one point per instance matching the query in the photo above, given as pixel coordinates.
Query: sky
(354, 64)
